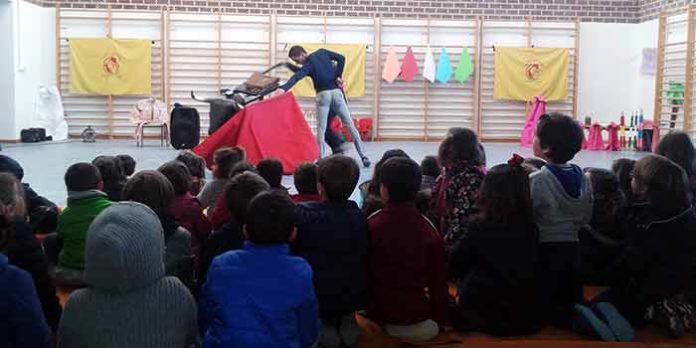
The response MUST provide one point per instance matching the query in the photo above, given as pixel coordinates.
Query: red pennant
(409, 67)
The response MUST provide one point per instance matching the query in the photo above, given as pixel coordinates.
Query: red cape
(274, 127)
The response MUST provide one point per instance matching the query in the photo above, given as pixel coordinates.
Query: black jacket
(228, 237)
(42, 213)
(25, 252)
(496, 267)
(658, 261)
(333, 238)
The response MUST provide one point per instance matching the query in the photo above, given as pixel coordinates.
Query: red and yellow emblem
(111, 64)
(532, 71)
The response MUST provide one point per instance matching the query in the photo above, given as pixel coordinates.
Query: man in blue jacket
(326, 70)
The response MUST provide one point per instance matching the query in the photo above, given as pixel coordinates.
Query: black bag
(33, 135)
(185, 127)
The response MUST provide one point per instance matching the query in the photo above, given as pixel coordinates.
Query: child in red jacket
(407, 264)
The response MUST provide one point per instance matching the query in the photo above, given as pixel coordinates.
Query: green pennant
(465, 67)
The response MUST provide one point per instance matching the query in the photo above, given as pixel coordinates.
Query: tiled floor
(44, 164)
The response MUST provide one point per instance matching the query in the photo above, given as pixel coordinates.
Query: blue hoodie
(23, 323)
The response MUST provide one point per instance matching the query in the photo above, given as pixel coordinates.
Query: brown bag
(259, 82)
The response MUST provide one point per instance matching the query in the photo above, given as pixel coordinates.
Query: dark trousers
(559, 281)
(52, 248)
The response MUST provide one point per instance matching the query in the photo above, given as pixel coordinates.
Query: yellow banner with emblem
(523, 73)
(353, 73)
(110, 67)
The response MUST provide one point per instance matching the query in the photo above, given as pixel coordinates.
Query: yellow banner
(523, 73)
(353, 73)
(110, 67)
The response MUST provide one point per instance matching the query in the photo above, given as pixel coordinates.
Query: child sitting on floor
(372, 201)
(657, 262)
(151, 188)
(23, 321)
(238, 193)
(407, 259)
(305, 178)
(129, 302)
(196, 166)
(272, 171)
(261, 295)
(623, 168)
(85, 202)
(603, 238)
(221, 215)
(456, 189)
(224, 159)
(332, 236)
(678, 147)
(431, 170)
(112, 176)
(562, 202)
(185, 208)
(496, 260)
(127, 165)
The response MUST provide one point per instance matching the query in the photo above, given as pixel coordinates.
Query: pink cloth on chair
(613, 141)
(538, 108)
(594, 140)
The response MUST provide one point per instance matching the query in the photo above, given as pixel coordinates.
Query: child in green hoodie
(85, 202)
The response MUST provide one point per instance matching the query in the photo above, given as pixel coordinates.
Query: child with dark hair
(678, 147)
(657, 262)
(221, 215)
(431, 170)
(496, 260)
(372, 200)
(21, 249)
(223, 160)
(406, 256)
(196, 166)
(41, 212)
(305, 178)
(332, 236)
(603, 238)
(24, 324)
(154, 190)
(272, 171)
(238, 193)
(562, 202)
(246, 284)
(623, 168)
(456, 189)
(112, 176)
(185, 208)
(85, 202)
(127, 165)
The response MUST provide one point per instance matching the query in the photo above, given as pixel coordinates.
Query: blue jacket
(259, 296)
(320, 67)
(23, 323)
(333, 238)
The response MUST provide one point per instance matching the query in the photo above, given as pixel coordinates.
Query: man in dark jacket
(42, 213)
(332, 236)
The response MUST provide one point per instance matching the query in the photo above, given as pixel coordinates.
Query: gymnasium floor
(44, 164)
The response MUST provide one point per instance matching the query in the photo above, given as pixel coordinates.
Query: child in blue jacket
(261, 296)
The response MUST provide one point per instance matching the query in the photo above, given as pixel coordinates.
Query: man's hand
(277, 92)
(341, 84)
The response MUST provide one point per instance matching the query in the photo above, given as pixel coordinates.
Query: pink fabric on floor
(613, 141)
(538, 108)
(594, 140)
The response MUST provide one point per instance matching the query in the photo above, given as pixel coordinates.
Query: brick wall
(650, 9)
(616, 11)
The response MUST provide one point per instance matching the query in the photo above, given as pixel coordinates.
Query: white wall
(610, 78)
(7, 52)
(35, 60)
